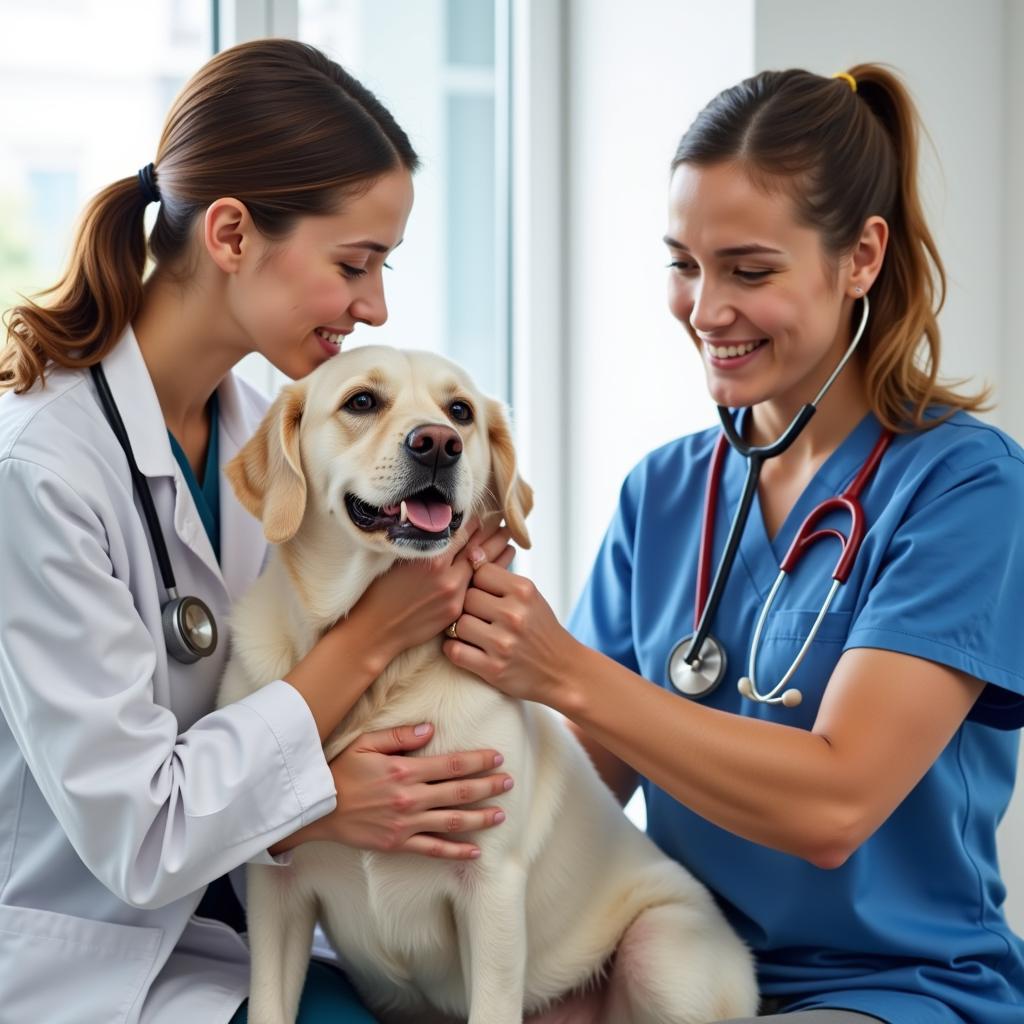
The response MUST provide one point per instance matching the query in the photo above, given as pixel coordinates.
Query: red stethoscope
(697, 663)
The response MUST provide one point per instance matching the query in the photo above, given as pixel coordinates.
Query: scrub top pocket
(784, 634)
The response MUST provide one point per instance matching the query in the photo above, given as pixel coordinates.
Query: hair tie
(147, 185)
(849, 78)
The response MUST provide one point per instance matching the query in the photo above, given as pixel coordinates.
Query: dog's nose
(434, 445)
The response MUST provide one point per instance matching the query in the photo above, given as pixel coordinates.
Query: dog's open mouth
(423, 518)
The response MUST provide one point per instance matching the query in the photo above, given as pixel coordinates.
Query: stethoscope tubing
(768, 698)
(706, 609)
(190, 629)
(807, 535)
(156, 536)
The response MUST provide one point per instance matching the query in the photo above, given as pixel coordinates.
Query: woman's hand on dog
(417, 599)
(509, 637)
(407, 606)
(388, 802)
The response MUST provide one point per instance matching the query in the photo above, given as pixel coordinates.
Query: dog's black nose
(434, 445)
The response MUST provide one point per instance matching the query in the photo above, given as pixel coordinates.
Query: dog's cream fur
(566, 880)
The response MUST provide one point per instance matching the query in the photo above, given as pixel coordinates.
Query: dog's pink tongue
(432, 516)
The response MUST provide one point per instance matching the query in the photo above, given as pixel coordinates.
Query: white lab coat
(121, 794)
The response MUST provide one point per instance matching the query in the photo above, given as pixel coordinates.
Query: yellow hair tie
(849, 78)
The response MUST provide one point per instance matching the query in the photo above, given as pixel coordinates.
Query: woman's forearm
(621, 778)
(770, 783)
(336, 673)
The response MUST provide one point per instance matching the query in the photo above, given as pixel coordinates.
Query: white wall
(954, 66)
(638, 73)
(962, 68)
(1013, 220)
(636, 76)
(1011, 838)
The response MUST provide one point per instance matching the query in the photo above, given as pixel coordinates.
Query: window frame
(531, 187)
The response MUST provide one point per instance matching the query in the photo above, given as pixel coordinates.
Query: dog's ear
(514, 494)
(266, 474)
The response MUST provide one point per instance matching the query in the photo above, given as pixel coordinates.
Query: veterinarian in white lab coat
(122, 794)
(846, 821)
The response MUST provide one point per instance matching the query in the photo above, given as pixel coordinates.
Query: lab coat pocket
(66, 970)
(784, 634)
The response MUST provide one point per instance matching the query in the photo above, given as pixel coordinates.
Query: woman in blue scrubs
(850, 839)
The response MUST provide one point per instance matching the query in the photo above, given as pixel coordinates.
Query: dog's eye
(364, 401)
(461, 411)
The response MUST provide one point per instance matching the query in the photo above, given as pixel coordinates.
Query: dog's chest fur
(393, 915)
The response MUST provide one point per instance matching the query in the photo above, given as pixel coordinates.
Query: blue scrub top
(910, 929)
(206, 492)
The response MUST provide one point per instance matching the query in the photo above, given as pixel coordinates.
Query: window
(440, 67)
(78, 117)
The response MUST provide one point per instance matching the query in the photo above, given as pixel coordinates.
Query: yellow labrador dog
(570, 911)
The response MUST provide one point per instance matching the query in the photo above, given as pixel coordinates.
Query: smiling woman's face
(753, 287)
(301, 296)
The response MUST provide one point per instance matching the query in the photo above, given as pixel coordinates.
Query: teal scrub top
(911, 928)
(205, 492)
(219, 901)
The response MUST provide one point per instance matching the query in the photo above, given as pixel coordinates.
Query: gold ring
(452, 631)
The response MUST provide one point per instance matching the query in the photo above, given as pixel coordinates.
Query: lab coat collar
(231, 413)
(133, 391)
(139, 406)
(241, 533)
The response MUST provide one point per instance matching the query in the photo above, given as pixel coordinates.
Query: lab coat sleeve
(154, 814)
(951, 586)
(603, 616)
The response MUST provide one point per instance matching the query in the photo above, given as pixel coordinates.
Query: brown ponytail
(273, 123)
(843, 156)
(97, 296)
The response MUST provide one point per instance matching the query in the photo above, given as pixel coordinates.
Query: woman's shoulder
(691, 451)
(671, 470)
(960, 458)
(50, 422)
(962, 443)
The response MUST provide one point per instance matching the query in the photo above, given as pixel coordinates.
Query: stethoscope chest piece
(190, 630)
(697, 678)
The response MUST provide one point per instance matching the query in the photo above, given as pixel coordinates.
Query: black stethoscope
(697, 663)
(190, 631)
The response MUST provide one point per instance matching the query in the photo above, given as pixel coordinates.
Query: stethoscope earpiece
(790, 699)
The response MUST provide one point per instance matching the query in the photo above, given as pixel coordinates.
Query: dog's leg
(675, 965)
(492, 944)
(281, 919)
(578, 1008)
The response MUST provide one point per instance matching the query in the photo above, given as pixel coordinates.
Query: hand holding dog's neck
(328, 577)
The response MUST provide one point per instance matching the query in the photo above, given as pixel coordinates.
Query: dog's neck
(327, 572)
